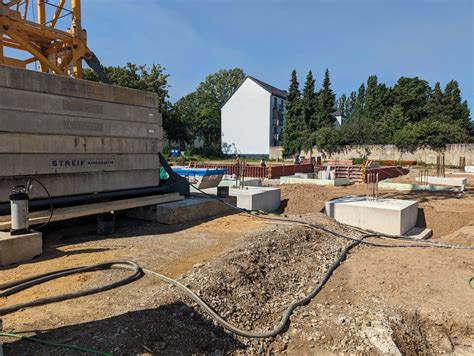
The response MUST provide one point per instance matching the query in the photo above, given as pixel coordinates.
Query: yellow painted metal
(56, 50)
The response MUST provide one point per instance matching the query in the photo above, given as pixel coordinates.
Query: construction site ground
(380, 300)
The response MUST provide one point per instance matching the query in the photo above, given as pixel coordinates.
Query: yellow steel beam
(57, 13)
(13, 2)
(11, 44)
(41, 9)
(30, 48)
(43, 32)
(30, 60)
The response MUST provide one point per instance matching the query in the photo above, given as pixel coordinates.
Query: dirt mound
(252, 286)
(463, 236)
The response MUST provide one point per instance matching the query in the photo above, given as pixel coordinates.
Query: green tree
(377, 99)
(342, 104)
(329, 140)
(454, 108)
(435, 105)
(326, 104)
(392, 121)
(350, 104)
(431, 134)
(308, 102)
(359, 102)
(294, 128)
(412, 94)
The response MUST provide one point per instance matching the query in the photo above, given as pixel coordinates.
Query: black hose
(51, 207)
(19, 285)
(286, 315)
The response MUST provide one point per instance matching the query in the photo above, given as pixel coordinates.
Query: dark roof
(270, 88)
(337, 113)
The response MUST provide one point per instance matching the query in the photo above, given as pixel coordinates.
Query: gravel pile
(252, 286)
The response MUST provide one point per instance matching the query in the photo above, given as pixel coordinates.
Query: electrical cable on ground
(419, 243)
(56, 344)
(19, 285)
(470, 282)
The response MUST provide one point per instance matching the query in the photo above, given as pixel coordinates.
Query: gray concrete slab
(82, 183)
(34, 143)
(21, 100)
(266, 199)
(32, 164)
(183, 211)
(388, 216)
(330, 182)
(21, 248)
(63, 124)
(22, 79)
(451, 181)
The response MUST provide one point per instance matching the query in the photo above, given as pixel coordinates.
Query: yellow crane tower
(24, 26)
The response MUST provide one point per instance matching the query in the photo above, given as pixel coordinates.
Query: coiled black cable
(19, 285)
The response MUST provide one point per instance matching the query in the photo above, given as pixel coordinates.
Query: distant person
(262, 163)
(297, 159)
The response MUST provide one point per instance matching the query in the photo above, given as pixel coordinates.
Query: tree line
(410, 115)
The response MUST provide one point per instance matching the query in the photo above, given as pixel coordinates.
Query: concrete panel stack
(76, 136)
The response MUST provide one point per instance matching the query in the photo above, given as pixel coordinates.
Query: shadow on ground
(172, 329)
(84, 229)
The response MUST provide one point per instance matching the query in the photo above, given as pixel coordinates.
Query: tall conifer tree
(294, 129)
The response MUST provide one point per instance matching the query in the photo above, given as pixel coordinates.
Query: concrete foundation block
(254, 198)
(257, 198)
(452, 181)
(387, 216)
(16, 249)
(331, 182)
(183, 211)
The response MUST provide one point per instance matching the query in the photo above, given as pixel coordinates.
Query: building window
(274, 102)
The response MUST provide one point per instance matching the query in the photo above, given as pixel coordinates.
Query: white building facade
(252, 119)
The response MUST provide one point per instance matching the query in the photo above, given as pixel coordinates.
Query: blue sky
(432, 39)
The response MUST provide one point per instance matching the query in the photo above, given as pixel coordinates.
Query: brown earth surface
(381, 300)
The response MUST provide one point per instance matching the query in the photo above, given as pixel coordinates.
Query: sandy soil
(379, 300)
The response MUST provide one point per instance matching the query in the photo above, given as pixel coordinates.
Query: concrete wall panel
(22, 79)
(33, 143)
(20, 100)
(82, 183)
(31, 164)
(30, 122)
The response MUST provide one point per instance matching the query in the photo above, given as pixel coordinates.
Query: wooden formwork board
(40, 217)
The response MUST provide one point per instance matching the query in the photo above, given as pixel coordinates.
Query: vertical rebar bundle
(373, 186)
(462, 163)
(423, 176)
(440, 166)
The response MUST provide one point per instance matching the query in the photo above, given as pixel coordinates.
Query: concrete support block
(21, 100)
(16, 249)
(388, 216)
(33, 143)
(330, 182)
(32, 164)
(22, 79)
(254, 198)
(82, 183)
(257, 198)
(62, 124)
(452, 181)
(183, 211)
